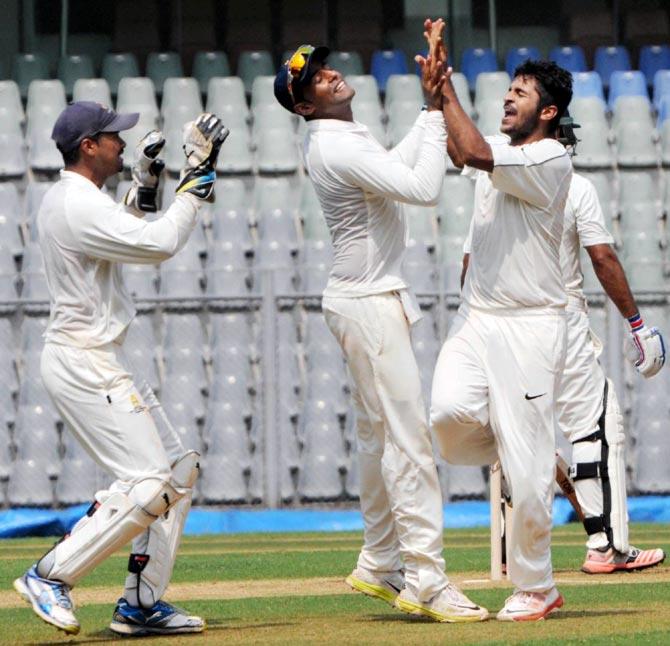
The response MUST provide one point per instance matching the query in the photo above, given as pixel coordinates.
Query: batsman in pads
(85, 237)
(497, 375)
(588, 409)
(369, 309)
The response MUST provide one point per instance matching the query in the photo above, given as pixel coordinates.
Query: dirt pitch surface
(279, 588)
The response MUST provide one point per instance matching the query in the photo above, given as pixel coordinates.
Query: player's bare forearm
(464, 270)
(472, 149)
(612, 277)
(454, 153)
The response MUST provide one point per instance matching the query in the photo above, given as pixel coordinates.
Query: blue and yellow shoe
(50, 600)
(161, 619)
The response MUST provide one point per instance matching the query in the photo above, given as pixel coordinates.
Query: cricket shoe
(378, 585)
(610, 560)
(530, 606)
(161, 619)
(50, 600)
(449, 605)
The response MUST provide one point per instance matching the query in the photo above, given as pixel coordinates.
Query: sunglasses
(296, 65)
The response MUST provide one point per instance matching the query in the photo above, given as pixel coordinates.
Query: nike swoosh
(390, 585)
(528, 397)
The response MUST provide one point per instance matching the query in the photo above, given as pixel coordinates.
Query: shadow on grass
(586, 614)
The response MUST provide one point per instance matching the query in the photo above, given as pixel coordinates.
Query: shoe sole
(371, 590)
(21, 588)
(537, 616)
(139, 631)
(412, 608)
(610, 568)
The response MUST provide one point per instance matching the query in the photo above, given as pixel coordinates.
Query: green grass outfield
(288, 588)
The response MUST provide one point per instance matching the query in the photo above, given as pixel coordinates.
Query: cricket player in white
(84, 237)
(588, 409)
(497, 375)
(367, 305)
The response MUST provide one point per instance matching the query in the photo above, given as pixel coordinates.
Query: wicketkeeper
(85, 237)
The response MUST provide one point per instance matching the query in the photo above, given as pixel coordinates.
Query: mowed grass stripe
(641, 612)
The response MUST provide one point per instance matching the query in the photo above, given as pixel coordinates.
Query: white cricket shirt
(84, 235)
(584, 226)
(517, 226)
(361, 187)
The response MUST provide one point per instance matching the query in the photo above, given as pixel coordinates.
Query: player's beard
(526, 129)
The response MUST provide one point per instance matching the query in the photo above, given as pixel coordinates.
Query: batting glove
(203, 139)
(645, 348)
(145, 171)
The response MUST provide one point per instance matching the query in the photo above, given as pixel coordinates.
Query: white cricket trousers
(124, 430)
(580, 406)
(493, 397)
(400, 493)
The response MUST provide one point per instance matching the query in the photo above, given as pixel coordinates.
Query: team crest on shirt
(138, 406)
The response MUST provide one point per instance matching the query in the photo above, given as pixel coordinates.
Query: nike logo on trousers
(529, 397)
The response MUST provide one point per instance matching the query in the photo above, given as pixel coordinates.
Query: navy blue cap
(282, 93)
(83, 119)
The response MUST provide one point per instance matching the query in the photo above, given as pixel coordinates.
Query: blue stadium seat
(661, 86)
(586, 84)
(518, 55)
(626, 84)
(571, 57)
(652, 59)
(663, 111)
(476, 60)
(611, 59)
(386, 62)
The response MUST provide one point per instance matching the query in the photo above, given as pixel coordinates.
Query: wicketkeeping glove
(202, 141)
(146, 170)
(646, 349)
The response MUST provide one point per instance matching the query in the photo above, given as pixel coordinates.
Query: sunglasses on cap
(296, 66)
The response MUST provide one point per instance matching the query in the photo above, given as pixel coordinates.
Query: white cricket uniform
(496, 377)
(580, 399)
(84, 237)
(368, 307)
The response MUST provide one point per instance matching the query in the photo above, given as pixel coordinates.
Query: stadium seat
(162, 66)
(519, 55)
(140, 346)
(182, 275)
(73, 67)
(138, 94)
(491, 87)
(652, 59)
(252, 64)
(490, 114)
(12, 155)
(43, 156)
(635, 133)
(626, 84)
(664, 128)
(367, 90)
(10, 103)
(276, 151)
(208, 65)
(570, 57)
(132, 136)
(92, 90)
(46, 100)
(36, 438)
(611, 59)
(402, 115)
(10, 222)
(347, 63)
(77, 480)
(181, 100)
(588, 110)
(593, 150)
(603, 185)
(661, 86)
(262, 92)
(236, 155)
(386, 62)
(631, 109)
(32, 273)
(587, 84)
(118, 66)
(370, 115)
(476, 60)
(272, 116)
(451, 254)
(462, 89)
(405, 88)
(419, 269)
(28, 68)
(225, 97)
(140, 280)
(317, 262)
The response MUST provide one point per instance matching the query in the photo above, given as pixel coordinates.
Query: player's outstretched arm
(644, 346)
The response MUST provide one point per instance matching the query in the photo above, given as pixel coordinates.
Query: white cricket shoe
(449, 605)
(530, 606)
(379, 585)
(50, 600)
